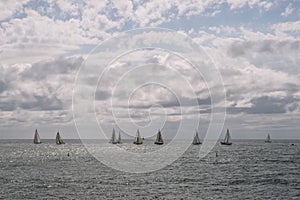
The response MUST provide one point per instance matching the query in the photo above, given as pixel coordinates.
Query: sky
(254, 45)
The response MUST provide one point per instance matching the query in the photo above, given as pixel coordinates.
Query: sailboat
(138, 139)
(196, 140)
(159, 140)
(113, 139)
(119, 141)
(268, 140)
(36, 139)
(227, 139)
(58, 139)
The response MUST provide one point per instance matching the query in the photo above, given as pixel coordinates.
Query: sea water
(245, 170)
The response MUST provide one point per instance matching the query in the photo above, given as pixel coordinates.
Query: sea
(248, 169)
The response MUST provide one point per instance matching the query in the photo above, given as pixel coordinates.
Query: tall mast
(119, 139)
(36, 139)
(159, 139)
(196, 138)
(113, 137)
(58, 139)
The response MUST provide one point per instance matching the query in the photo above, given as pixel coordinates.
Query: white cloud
(223, 29)
(282, 29)
(288, 10)
(8, 8)
(236, 4)
(257, 66)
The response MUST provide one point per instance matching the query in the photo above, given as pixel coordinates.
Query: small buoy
(216, 154)
(68, 154)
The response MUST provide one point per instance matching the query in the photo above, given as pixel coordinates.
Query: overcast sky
(254, 44)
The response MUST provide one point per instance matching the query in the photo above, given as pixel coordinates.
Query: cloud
(57, 66)
(259, 70)
(264, 46)
(268, 105)
(259, 62)
(282, 29)
(41, 103)
(288, 10)
(9, 8)
(102, 95)
(52, 28)
(42, 86)
(3, 86)
(236, 4)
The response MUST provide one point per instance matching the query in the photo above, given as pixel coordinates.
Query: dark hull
(137, 143)
(158, 143)
(59, 143)
(268, 142)
(197, 143)
(37, 142)
(224, 143)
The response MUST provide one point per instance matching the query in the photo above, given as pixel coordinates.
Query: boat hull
(137, 143)
(159, 143)
(59, 143)
(197, 143)
(224, 143)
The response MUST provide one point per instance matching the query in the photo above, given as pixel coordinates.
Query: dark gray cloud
(267, 105)
(102, 95)
(32, 102)
(32, 88)
(242, 48)
(173, 102)
(43, 103)
(3, 86)
(7, 105)
(56, 66)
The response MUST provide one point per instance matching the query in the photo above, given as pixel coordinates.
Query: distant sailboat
(268, 140)
(113, 139)
(36, 139)
(58, 139)
(227, 139)
(119, 141)
(138, 139)
(196, 140)
(159, 140)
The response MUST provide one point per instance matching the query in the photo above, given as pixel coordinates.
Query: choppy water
(245, 170)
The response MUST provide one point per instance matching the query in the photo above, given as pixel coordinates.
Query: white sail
(159, 140)
(113, 137)
(227, 139)
(196, 140)
(138, 139)
(119, 138)
(36, 139)
(268, 140)
(58, 139)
